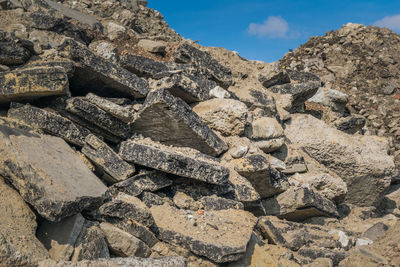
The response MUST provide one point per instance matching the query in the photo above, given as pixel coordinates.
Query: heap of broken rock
(120, 159)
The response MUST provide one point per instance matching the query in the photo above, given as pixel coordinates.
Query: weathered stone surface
(113, 167)
(185, 86)
(268, 79)
(265, 179)
(49, 122)
(299, 203)
(151, 199)
(18, 243)
(106, 50)
(13, 52)
(171, 121)
(268, 146)
(204, 63)
(57, 190)
(244, 190)
(124, 244)
(265, 128)
(152, 46)
(219, 203)
(361, 161)
(32, 82)
(376, 231)
(227, 116)
(350, 124)
(81, 107)
(223, 236)
(126, 207)
(183, 201)
(125, 114)
(334, 99)
(143, 66)
(96, 74)
(172, 261)
(171, 160)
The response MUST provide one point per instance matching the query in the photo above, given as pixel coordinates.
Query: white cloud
(391, 22)
(273, 27)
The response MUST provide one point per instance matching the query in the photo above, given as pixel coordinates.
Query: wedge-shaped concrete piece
(113, 167)
(223, 238)
(265, 179)
(32, 82)
(299, 203)
(49, 122)
(171, 121)
(94, 73)
(81, 107)
(48, 173)
(174, 161)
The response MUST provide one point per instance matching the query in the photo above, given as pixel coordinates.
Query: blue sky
(266, 30)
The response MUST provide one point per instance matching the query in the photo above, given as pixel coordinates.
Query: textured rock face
(265, 128)
(55, 190)
(32, 82)
(218, 245)
(362, 162)
(18, 244)
(13, 52)
(173, 161)
(171, 121)
(142, 66)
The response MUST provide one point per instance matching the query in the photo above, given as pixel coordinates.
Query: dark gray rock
(204, 64)
(57, 190)
(114, 169)
(171, 121)
(171, 261)
(299, 203)
(49, 122)
(142, 66)
(302, 77)
(171, 160)
(81, 107)
(93, 73)
(315, 253)
(266, 180)
(219, 203)
(32, 82)
(14, 51)
(275, 78)
(151, 199)
(350, 124)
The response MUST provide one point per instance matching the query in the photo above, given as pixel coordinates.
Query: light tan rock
(265, 128)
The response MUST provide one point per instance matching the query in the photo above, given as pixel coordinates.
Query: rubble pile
(173, 154)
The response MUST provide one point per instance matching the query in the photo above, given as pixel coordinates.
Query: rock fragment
(173, 161)
(169, 120)
(14, 51)
(219, 203)
(57, 190)
(143, 66)
(152, 46)
(265, 128)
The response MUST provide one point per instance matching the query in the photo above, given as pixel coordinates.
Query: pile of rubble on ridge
(119, 147)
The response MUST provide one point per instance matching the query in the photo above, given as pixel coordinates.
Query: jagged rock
(265, 179)
(143, 66)
(219, 203)
(331, 98)
(205, 64)
(223, 236)
(152, 46)
(171, 121)
(172, 261)
(49, 122)
(14, 51)
(268, 79)
(350, 124)
(185, 86)
(268, 146)
(125, 207)
(81, 107)
(227, 116)
(299, 203)
(171, 160)
(93, 73)
(265, 128)
(57, 190)
(124, 244)
(32, 82)
(302, 77)
(114, 169)
(361, 161)
(18, 243)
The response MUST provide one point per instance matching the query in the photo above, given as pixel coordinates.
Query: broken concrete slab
(113, 167)
(95, 74)
(143, 66)
(32, 82)
(57, 190)
(171, 121)
(124, 244)
(265, 179)
(299, 203)
(18, 243)
(49, 122)
(223, 236)
(81, 107)
(171, 261)
(14, 51)
(174, 161)
(204, 63)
